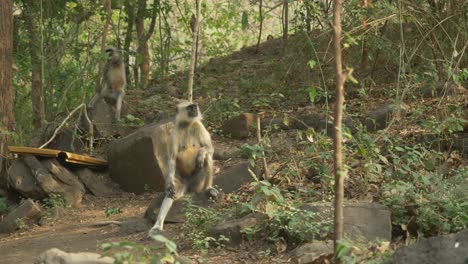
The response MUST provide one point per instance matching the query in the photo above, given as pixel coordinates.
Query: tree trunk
(105, 31)
(194, 50)
(130, 11)
(142, 50)
(285, 22)
(37, 97)
(340, 170)
(6, 89)
(260, 12)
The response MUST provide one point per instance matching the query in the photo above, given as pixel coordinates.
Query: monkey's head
(114, 54)
(188, 112)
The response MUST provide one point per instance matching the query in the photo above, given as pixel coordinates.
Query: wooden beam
(62, 155)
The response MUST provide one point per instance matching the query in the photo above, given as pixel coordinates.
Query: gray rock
(135, 225)
(98, 183)
(233, 229)
(28, 212)
(53, 178)
(452, 248)
(311, 252)
(241, 126)
(176, 214)
(21, 179)
(380, 118)
(232, 178)
(137, 160)
(57, 256)
(362, 220)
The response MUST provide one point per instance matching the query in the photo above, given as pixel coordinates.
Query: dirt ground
(74, 231)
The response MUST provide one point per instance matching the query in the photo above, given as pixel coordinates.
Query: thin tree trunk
(37, 97)
(285, 22)
(340, 170)
(130, 11)
(260, 11)
(194, 50)
(105, 31)
(142, 50)
(6, 90)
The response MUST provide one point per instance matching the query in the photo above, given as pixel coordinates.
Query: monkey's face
(192, 110)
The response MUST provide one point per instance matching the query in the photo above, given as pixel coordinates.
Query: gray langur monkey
(189, 161)
(113, 81)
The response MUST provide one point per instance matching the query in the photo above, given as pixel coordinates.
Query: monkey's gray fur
(113, 81)
(189, 162)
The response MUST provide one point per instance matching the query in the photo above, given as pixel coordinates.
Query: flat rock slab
(230, 180)
(176, 214)
(452, 248)
(362, 221)
(136, 162)
(28, 211)
(233, 229)
(57, 256)
(311, 252)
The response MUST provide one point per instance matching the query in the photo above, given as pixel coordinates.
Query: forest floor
(253, 82)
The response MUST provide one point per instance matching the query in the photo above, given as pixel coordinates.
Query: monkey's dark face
(192, 110)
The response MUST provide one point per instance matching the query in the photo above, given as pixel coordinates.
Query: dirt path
(74, 232)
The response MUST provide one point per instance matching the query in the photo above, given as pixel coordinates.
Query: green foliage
(53, 201)
(223, 109)
(3, 205)
(351, 253)
(112, 211)
(20, 223)
(199, 221)
(131, 252)
(285, 221)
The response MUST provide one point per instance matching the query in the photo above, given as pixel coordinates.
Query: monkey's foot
(154, 232)
(212, 193)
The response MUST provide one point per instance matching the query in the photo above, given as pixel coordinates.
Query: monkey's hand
(212, 193)
(201, 157)
(170, 190)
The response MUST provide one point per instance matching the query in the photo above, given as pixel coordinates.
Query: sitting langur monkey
(113, 82)
(189, 160)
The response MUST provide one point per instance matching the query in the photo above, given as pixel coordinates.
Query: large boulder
(27, 212)
(452, 248)
(362, 221)
(136, 162)
(57, 256)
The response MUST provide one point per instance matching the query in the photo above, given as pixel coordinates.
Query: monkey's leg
(118, 105)
(177, 191)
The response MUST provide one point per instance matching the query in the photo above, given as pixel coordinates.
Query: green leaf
(312, 94)
(312, 64)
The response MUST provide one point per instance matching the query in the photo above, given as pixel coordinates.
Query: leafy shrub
(131, 252)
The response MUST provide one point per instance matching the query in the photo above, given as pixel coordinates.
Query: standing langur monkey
(189, 161)
(113, 81)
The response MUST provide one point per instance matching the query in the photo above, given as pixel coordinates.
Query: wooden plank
(62, 155)
(34, 151)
